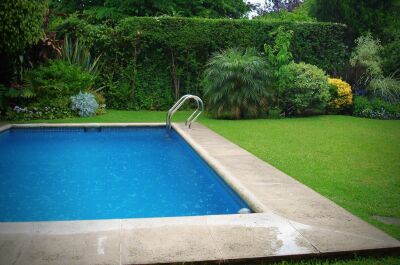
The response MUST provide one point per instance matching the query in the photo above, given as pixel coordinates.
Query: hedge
(149, 62)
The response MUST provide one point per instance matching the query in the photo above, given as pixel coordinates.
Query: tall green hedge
(149, 62)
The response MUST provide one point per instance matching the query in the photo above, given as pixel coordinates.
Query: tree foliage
(377, 16)
(279, 54)
(381, 18)
(20, 24)
(270, 6)
(194, 8)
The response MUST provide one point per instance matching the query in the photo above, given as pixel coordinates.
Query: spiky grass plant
(236, 84)
(78, 54)
(386, 88)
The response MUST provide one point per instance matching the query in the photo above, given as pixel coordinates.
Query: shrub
(367, 60)
(235, 84)
(303, 88)
(56, 79)
(386, 88)
(46, 91)
(342, 96)
(274, 113)
(375, 109)
(85, 104)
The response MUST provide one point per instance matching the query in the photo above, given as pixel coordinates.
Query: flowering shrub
(375, 109)
(34, 113)
(342, 97)
(85, 104)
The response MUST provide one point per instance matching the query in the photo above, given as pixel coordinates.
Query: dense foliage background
(146, 54)
(116, 9)
(149, 62)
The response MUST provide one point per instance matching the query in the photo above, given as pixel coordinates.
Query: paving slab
(166, 239)
(289, 219)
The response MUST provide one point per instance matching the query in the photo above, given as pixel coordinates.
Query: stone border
(245, 194)
(292, 221)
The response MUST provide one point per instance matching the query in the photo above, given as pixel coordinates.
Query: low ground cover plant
(375, 108)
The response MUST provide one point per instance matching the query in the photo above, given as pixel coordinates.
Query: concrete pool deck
(291, 220)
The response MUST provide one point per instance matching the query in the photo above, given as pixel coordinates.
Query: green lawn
(353, 161)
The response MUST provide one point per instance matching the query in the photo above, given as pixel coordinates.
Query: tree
(194, 8)
(376, 16)
(20, 26)
(379, 17)
(275, 6)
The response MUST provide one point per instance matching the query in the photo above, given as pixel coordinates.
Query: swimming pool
(78, 173)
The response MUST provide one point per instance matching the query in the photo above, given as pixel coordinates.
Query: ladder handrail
(193, 117)
(179, 103)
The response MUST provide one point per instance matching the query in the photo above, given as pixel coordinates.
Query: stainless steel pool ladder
(179, 103)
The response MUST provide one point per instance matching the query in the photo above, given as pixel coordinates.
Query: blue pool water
(49, 174)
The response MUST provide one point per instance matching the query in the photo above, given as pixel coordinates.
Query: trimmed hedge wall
(149, 62)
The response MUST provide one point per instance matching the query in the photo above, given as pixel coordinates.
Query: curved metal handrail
(179, 103)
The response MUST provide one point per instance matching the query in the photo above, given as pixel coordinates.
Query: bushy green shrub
(84, 104)
(375, 109)
(236, 84)
(57, 79)
(303, 88)
(46, 91)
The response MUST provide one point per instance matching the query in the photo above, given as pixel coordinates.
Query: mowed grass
(353, 161)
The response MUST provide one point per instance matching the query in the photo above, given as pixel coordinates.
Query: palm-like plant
(236, 84)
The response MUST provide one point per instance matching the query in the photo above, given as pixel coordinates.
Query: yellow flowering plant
(342, 97)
